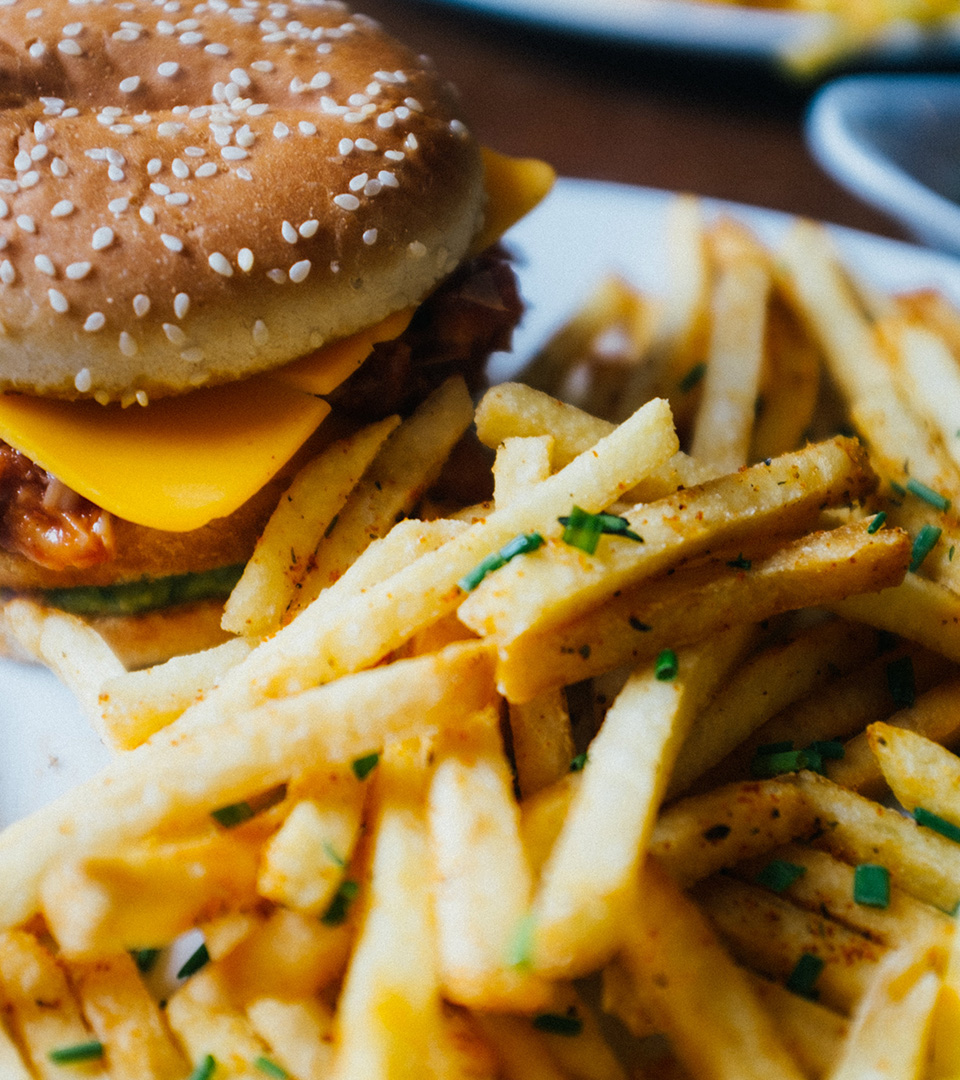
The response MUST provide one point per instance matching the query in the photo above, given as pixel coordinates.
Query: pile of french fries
(640, 768)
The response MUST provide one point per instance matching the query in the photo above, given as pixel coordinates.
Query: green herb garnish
(583, 530)
(877, 522)
(85, 1051)
(200, 958)
(802, 980)
(778, 875)
(520, 949)
(692, 377)
(871, 885)
(271, 1068)
(739, 563)
(336, 913)
(577, 764)
(933, 821)
(666, 665)
(924, 542)
(519, 545)
(933, 498)
(234, 814)
(363, 766)
(145, 959)
(204, 1069)
(766, 766)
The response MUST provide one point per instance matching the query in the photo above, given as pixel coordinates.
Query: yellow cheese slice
(180, 462)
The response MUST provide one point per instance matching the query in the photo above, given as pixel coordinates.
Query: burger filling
(468, 317)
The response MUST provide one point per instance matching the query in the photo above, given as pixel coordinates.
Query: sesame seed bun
(193, 197)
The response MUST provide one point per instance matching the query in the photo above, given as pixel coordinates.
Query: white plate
(716, 29)
(582, 231)
(894, 141)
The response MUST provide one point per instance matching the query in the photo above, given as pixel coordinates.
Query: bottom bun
(141, 641)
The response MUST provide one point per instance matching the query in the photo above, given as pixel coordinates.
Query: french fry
(521, 1051)
(587, 884)
(475, 841)
(557, 582)
(694, 603)
(407, 464)
(249, 753)
(920, 772)
(299, 1033)
(695, 992)
(305, 511)
(136, 704)
(520, 462)
(742, 914)
(765, 684)
(723, 425)
(126, 1020)
(891, 1028)
(32, 981)
(573, 1037)
(542, 741)
(67, 645)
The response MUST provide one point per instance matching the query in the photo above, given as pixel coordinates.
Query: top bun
(192, 193)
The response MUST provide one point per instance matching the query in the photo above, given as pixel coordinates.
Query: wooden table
(598, 111)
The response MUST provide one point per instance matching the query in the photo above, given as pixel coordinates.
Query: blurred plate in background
(803, 41)
(894, 141)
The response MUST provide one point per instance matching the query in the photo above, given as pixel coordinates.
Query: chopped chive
(897, 489)
(802, 980)
(336, 913)
(871, 885)
(145, 959)
(364, 766)
(778, 875)
(740, 563)
(877, 522)
(934, 498)
(200, 958)
(902, 682)
(924, 542)
(692, 377)
(85, 1051)
(204, 1069)
(520, 949)
(581, 530)
(234, 814)
(937, 823)
(666, 666)
(519, 545)
(558, 1023)
(828, 748)
(577, 764)
(766, 766)
(333, 855)
(271, 1068)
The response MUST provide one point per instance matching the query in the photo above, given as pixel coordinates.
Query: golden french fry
(588, 882)
(305, 511)
(697, 602)
(695, 992)
(920, 772)
(137, 704)
(520, 462)
(542, 741)
(299, 1033)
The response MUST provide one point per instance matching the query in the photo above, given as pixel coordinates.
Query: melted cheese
(182, 461)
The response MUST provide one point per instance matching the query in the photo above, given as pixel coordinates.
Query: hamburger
(226, 233)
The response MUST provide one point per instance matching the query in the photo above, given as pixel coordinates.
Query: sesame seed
(417, 249)
(160, 189)
(220, 264)
(83, 380)
(288, 232)
(102, 238)
(61, 208)
(209, 168)
(299, 271)
(386, 120)
(410, 142)
(345, 146)
(280, 131)
(401, 112)
(192, 356)
(366, 144)
(128, 346)
(412, 104)
(306, 128)
(309, 228)
(115, 173)
(141, 395)
(26, 223)
(258, 109)
(37, 49)
(77, 271)
(30, 179)
(39, 152)
(387, 178)
(372, 187)
(58, 301)
(245, 137)
(191, 37)
(263, 66)
(240, 77)
(141, 305)
(148, 214)
(59, 168)
(154, 165)
(194, 151)
(169, 128)
(177, 198)
(245, 260)
(168, 69)
(45, 265)
(217, 48)
(119, 206)
(166, 28)
(171, 243)
(180, 169)
(22, 161)
(347, 202)
(394, 155)
(277, 276)
(181, 305)
(72, 29)
(357, 182)
(321, 80)
(175, 334)
(7, 273)
(233, 153)
(69, 47)
(260, 332)
(458, 127)
(370, 237)
(244, 174)
(4, 208)
(125, 34)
